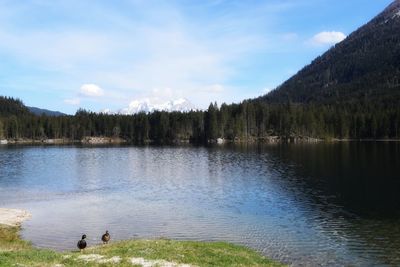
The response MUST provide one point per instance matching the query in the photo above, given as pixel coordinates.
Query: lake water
(324, 204)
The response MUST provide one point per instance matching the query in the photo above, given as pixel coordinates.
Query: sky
(94, 54)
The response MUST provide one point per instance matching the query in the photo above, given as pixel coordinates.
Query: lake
(322, 204)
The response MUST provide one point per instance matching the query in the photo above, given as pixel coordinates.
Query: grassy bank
(17, 252)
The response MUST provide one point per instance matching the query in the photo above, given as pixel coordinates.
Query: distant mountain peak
(42, 111)
(147, 105)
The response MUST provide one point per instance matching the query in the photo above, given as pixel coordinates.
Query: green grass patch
(17, 252)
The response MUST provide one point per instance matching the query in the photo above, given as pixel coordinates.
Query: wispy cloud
(204, 51)
(162, 47)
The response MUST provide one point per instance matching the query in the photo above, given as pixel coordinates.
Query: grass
(16, 252)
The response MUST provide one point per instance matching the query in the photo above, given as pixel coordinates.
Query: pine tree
(211, 122)
(1, 130)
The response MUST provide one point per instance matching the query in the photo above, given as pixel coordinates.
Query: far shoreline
(117, 141)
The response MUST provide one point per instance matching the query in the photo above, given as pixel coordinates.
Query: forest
(248, 121)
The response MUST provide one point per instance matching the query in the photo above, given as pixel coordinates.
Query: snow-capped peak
(180, 101)
(147, 105)
(106, 111)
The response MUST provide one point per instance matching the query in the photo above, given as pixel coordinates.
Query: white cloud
(328, 38)
(91, 90)
(72, 101)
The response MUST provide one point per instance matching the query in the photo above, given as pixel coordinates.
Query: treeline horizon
(247, 121)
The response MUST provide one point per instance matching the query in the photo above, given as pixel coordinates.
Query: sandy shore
(13, 217)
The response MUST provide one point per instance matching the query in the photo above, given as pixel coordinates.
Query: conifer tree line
(249, 120)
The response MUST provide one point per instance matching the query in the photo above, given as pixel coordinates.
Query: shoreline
(98, 140)
(14, 251)
(13, 217)
(90, 140)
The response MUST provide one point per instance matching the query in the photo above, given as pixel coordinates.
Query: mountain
(12, 106)
(40, 111)
(146, 106)
(366, 65)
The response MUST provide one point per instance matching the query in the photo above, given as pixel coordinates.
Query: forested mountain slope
(366, 66)
(11, 106)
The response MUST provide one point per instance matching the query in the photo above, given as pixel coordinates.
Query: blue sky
(62, 55)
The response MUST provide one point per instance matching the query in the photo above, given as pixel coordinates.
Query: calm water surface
(310, 205)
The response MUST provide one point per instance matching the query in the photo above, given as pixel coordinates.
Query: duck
(82, 243)
(106, 237)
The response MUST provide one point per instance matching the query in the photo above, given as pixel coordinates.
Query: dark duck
(106, 237)
(82, 243)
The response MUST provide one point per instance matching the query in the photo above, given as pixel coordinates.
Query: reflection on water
(329, 204)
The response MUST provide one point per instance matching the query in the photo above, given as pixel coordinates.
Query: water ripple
(292, 203)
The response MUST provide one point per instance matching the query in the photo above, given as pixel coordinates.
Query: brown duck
(106, 237)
